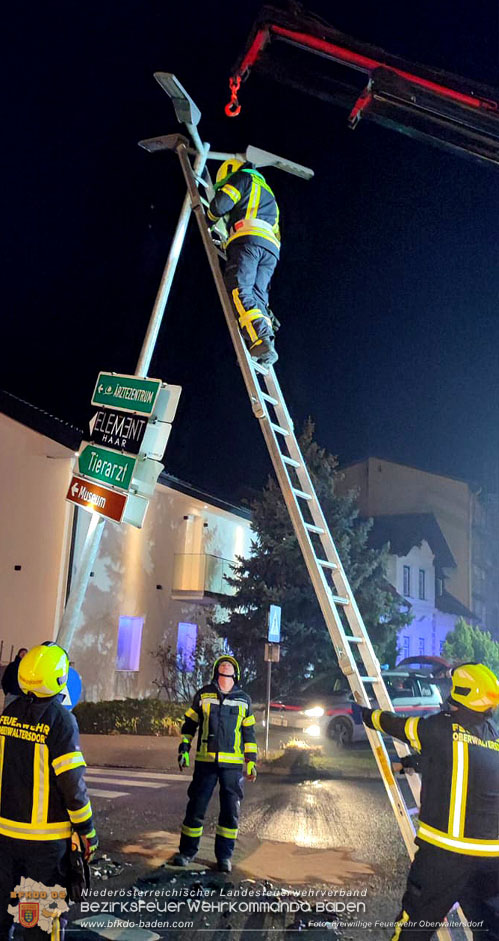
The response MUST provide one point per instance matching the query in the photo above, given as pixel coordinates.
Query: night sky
(388, 283)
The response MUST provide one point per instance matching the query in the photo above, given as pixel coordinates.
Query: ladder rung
(292, 463)
(339, 600)
(302, 494)
(326, 564)
(270, 398)
(259, 367)
(279, 430)
(355, 640)
(312, 528)
(370, 679)
(413, 811)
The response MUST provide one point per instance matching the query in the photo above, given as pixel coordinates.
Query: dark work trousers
(437, 879)
(248, 271)
(46, 862)
(200, 790)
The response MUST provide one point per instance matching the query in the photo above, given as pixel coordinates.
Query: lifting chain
(232, 108)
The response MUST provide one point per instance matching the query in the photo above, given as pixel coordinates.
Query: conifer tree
(276, 574)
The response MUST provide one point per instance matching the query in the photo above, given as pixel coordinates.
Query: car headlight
(313, 730)
(314, 713)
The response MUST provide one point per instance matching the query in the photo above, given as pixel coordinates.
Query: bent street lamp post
(95, 530)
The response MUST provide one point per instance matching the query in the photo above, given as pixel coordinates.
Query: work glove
(273, 319)
(251, 770)
(366, 716)
(89, 843)
(407, 765)
(183, 756)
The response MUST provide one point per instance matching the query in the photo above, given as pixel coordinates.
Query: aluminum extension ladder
(318, 549)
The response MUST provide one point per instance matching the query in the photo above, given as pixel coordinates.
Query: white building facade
(159, 584)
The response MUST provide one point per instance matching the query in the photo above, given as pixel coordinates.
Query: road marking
(96, 792)
(125, 782)
(122, 772)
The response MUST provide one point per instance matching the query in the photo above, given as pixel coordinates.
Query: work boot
(265, 352)
(224, 865)
(181, 860)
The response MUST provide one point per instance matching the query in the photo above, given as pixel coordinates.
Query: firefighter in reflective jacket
(248, 204)
(457, 859)
(43, 797)
(221, 713)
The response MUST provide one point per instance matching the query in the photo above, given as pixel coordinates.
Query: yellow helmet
(474, 686)
(226, 658)
(44, 670)
(228, 167)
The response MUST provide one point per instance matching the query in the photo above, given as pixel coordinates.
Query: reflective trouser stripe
(404, 918)
(245, 314)
(228, 832)
(191, 831)
(40, 804)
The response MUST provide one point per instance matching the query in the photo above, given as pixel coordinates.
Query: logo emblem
(29, 913)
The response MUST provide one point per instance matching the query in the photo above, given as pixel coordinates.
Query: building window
(421, 645)
(422, 584)
(129, 643)
(442, 642)
(439, 587)
(407, 580)
(406, 646)
(186, 645)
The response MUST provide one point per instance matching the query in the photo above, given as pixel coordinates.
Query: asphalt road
(317, 839)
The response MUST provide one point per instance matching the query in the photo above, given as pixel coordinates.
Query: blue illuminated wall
(186, 645)
(129, 643)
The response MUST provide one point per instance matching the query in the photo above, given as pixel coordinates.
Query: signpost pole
(267, 710)
(94, 535)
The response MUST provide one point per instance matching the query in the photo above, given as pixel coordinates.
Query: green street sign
(128, 393)
(109, 467)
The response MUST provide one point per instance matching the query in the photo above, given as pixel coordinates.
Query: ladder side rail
(340, 642)
(248, 374)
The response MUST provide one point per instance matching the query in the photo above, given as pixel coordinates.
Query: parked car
(321, 711)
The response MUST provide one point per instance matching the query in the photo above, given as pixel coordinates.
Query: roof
(71, 436)
(41, 421)
(450, 605)
(424, 470)
(405, 530)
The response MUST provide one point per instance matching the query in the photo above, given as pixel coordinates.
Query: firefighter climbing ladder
(341, 614)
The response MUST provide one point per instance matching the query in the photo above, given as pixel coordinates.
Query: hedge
(130, 717)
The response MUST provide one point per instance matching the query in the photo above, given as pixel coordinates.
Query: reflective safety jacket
(251, 209)
(42, 791)
(459, 766)
(225, 725)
